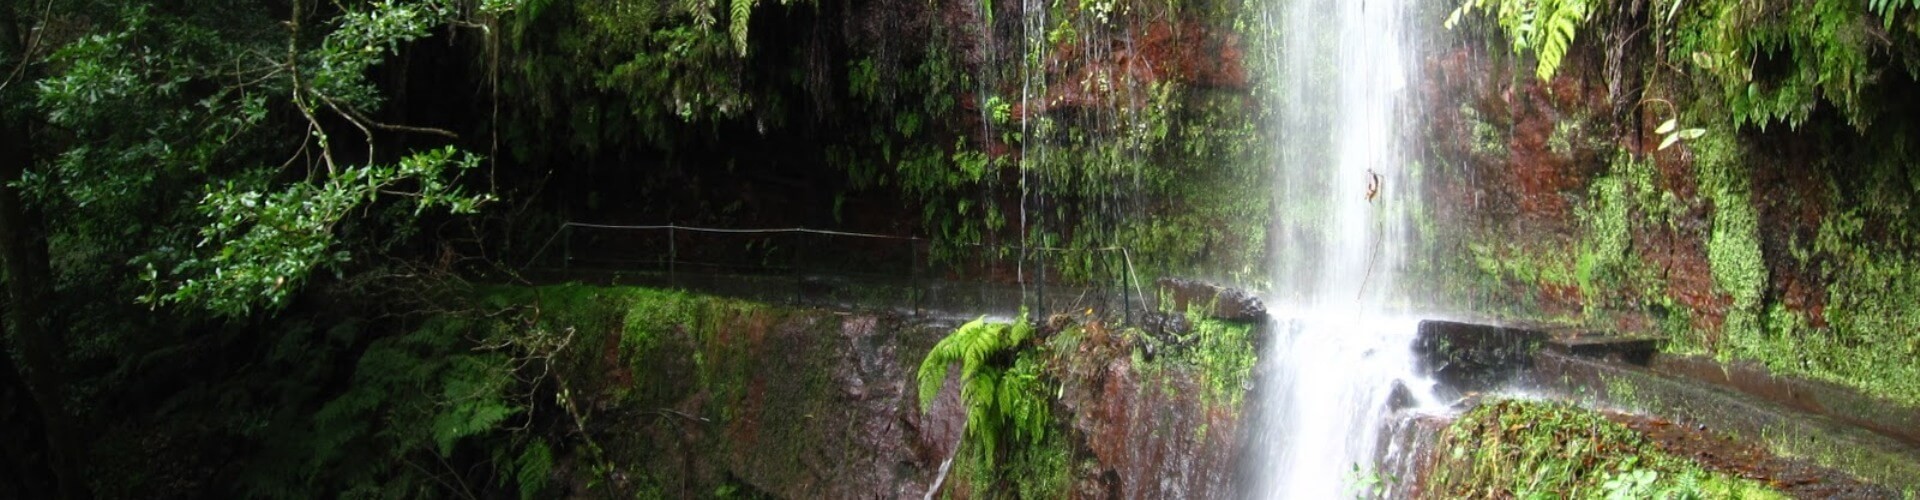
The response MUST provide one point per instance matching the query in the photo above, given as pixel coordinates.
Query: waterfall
(1343, 191)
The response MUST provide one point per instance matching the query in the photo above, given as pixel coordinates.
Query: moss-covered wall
(1787, 241)
(653, 393)
(664, 394)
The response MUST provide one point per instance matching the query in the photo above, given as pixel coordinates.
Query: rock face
(1466, 357)
(834, 415)
(1150, 436)
(685, 399)
(786, 403)
(1216, 301)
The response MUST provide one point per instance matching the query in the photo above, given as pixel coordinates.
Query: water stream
(1342, 197)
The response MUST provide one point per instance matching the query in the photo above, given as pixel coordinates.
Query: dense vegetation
(1734, 175)
(1522, 449)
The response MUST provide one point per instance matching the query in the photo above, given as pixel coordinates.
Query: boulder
(1467, 357)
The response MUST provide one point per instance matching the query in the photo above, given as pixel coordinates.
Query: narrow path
(1720, 453)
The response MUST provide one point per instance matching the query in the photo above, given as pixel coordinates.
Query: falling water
(1342, 195)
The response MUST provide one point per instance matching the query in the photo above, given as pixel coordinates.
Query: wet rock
(1215, 301)
(1634, 351)
(1870, 456)
(1812, 396)
(1149, 435)
(1166, 325)
(1401, 398)
(1467, 357)
(1165, 330)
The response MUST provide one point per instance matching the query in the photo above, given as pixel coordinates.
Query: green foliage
(160, 108)
(740, 12)
(531, 469)
(1773, 61)
(413, 402)
(1733, 248)
(1521, 449)
(1544, 27)
(1001, 386)
(262, 244)
(610, 71)
(1671, 133)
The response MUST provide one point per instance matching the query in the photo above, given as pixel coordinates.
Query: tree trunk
(29, 280)
(20, 452)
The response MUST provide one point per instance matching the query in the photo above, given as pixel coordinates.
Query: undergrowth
(1525, 449)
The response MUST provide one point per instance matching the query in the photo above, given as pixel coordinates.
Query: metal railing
(846, 269)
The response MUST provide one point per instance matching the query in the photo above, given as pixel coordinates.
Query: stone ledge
(1216, 301)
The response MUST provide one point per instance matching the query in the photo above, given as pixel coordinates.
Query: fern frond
(1562, 23)
(738, 15)
(467, 419)
(1544, 27)
(963, 346)
(532, 469)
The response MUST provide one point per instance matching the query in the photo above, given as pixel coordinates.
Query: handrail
(1130, 281)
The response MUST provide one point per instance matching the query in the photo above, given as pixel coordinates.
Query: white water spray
(1343, 195)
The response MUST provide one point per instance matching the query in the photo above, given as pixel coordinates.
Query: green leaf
(532, 469)
(1669, 141)
(1666, 126)
(739, 14)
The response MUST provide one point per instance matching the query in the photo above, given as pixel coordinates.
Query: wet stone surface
(1466, 357)
(1216, 301)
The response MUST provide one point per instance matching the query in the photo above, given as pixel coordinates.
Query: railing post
(913, 276)
(566, 247)
(1126, 297)
(673, 258)
(1040, 285)
(799, 288)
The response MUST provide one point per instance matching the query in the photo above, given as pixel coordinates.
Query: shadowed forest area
(306, 248)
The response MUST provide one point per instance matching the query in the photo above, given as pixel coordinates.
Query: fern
(740, 13)
(1004, 397)
(532, 469)
(1563, 18)
(1544, 27)
(970, 345)
(1890, 9)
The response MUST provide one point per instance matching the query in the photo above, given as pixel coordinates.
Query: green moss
(1488, 140)
(1566, 132)
(1870, 340)
(1521, 449)
(1733, 248)
(1603, 250)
